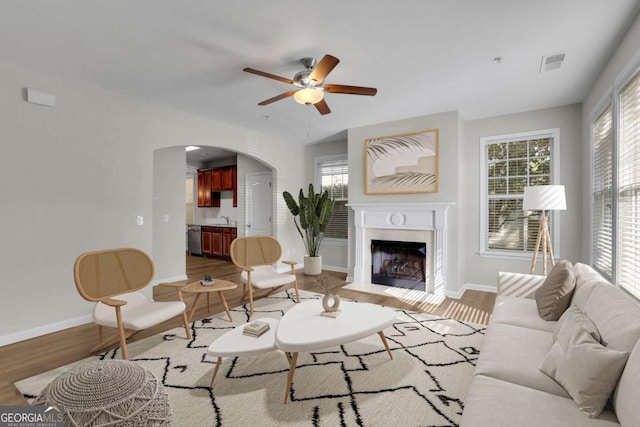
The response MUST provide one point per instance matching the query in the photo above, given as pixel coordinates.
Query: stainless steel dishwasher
(194, 235)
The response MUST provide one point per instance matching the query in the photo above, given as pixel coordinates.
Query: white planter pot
(312, 265)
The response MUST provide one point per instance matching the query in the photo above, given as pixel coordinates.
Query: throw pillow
(575, 317)
(585, 368)
(554, 296)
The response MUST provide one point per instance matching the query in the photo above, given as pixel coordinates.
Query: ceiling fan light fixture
(308, 96)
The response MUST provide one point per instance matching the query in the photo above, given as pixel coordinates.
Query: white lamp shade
(544, 198)
(308, 96)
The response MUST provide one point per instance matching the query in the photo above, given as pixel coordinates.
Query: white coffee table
(302, 328)
(234, 343)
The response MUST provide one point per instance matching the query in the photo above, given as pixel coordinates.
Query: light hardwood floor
(27, 358)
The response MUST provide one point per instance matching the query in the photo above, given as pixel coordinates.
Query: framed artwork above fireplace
(405, 163)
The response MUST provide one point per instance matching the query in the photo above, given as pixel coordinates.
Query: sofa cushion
(554, 296)
(585, 368)
(587, 279)
(572, 318)
(516, 311)
(513, 354)
(616, 316)
(625, 399)
(492, 402)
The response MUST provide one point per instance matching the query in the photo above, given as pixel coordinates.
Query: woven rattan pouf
(109, 392)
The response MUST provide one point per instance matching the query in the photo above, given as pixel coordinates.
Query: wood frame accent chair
(111, 279)
(255, 255)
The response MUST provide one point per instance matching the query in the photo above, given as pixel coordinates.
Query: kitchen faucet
(226, 218)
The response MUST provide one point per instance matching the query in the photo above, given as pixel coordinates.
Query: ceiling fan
(310, 84)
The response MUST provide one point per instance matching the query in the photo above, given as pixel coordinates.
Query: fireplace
(399, 264)
(422, 223)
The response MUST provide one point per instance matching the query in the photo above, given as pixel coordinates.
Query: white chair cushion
(265, 276)
(139, 313)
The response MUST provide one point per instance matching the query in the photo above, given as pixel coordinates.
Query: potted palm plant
(311, 215)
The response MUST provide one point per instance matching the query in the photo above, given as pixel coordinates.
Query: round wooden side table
(219, 287)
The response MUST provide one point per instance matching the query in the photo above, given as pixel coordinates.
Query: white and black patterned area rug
(355, 384)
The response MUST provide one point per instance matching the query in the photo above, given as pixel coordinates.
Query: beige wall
(75, 177)
(334, 252)
(459, 165)
(482, 270)
(168, 237)
(449, 161)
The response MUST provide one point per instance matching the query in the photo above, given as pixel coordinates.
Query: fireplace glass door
(398, 264)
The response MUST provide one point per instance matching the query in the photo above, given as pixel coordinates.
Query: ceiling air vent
(551, 62)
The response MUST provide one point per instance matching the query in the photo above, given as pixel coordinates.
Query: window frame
(484, 196)
(612, 98)
(606, 102)
(317, 161)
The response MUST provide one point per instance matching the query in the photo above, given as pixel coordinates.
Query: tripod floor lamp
(543, 198)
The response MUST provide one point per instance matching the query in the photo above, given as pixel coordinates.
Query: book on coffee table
(255, 328)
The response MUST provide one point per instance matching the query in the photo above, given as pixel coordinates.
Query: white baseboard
(169, 279)
(70, 323)
(287, 269)
(324, 267)
(470, 286)
(334, 268)
(44, 329)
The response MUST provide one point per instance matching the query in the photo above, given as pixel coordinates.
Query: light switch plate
(140, 220)
(41, 98)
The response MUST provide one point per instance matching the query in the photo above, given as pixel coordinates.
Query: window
(189, 199)
(602, 196)
(509, 164)
(332, 175)
(616, 189)
(628, 252)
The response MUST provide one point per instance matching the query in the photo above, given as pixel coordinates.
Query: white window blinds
(510, 165)
(333, 175)
(602, 208)
(628, 253)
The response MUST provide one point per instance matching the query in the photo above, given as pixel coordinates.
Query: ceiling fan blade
(351, 90)
(322, 107)
(277, 98)
(268, 75)
(324, 67)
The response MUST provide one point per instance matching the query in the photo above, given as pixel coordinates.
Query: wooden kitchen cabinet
(207, 239)
(216, 241)
(228, 236)
(216, 179)
(212, 181)
(226, 178)
(222, 178)
(207, 198)
(234, 184)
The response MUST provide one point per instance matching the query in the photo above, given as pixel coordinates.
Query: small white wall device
(41, 98)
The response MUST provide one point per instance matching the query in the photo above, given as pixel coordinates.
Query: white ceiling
(424, 56)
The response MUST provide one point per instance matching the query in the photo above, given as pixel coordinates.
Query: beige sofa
(508, 388)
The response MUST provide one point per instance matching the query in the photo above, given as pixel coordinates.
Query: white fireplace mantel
(419, 217)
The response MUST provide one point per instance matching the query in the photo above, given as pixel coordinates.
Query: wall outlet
(288, 252)
(165, 218)
(140, 220)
